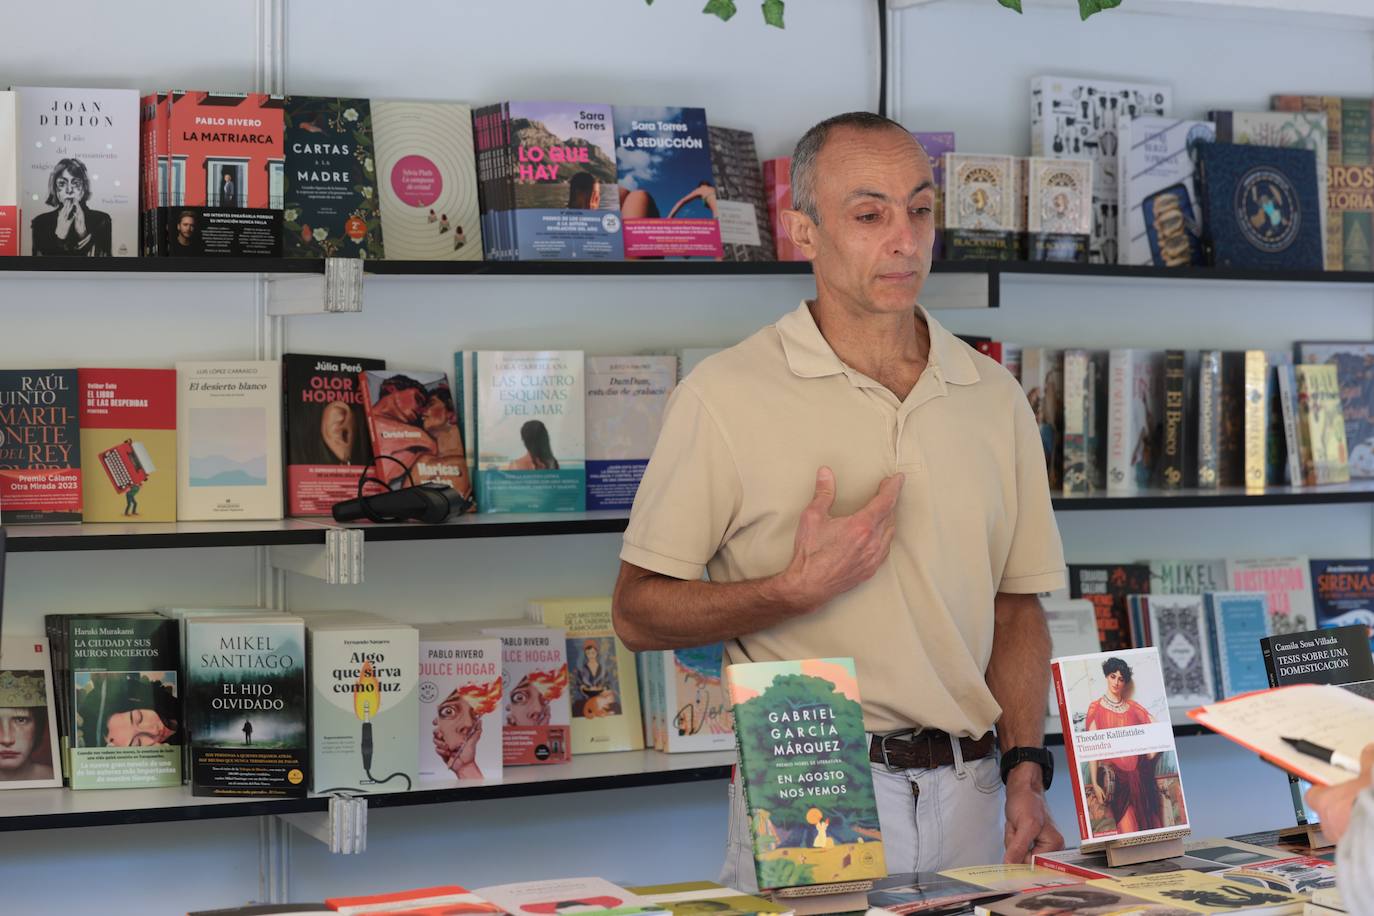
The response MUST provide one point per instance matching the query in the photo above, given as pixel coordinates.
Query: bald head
(808, 151)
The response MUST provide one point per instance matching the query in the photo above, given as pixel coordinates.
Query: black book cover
(1107, 587)
(1338, 655)
(739, 181)
(40, 447)
(1173, 466)
(328, 446)
(1262, 207)
(1231, 421)
(331, 205)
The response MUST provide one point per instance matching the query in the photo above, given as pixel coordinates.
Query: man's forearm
(1019, 670)
(659, 612)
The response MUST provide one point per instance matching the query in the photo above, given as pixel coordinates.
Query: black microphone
(429, 502)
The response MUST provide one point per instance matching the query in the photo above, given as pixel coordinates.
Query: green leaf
(772, 13)
(1087, 7)
(1016, 4)
(722, 9)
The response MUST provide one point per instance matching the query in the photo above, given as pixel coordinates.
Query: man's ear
(801, 230)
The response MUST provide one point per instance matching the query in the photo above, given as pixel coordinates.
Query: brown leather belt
(925, 750)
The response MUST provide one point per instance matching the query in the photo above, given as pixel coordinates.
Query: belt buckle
(882, 746)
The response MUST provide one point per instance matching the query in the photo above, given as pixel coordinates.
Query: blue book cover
(667, 185)
(1238, 621)
(1343, 591)
(1262, 206)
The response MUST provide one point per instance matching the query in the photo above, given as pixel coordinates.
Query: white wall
(966, 69)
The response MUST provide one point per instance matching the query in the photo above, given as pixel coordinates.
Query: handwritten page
(1323, 714)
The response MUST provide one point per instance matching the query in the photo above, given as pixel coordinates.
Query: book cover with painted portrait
(78, 172)
(1354, 362)
(667, 188)
(427, 180)
(28, 716)
(330, 189)
(128, 421)
(1119, 739)
(417, 434)
(803, 761)
(460, 707)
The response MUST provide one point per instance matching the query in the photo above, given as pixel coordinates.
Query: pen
(1325, 754)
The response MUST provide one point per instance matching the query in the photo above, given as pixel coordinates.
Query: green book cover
(245, 706)
(126, 702)
(804, 765)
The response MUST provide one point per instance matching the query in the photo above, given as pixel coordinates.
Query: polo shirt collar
(809, 354)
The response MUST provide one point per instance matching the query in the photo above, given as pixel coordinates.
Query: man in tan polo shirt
(859, 482)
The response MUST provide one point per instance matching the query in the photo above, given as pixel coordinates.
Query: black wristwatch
(1019, 755)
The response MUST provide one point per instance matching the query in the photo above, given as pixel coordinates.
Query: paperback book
(1321, 426)
(1354, 362)
(1261, 206)
(125, 714)
(928, 892)
(1042, 379)
(529, 412)
(1072, 623)
(1237, 622)
(1287, 584)
(78, 171)
(415, 428)
(330, 194)
(1159, 220)
(936, 144)
(741, 207)
(128, 420)
(1187, 577)
(538, 713)
(591, 896)
(694, 707)
(364, 704)
(246, 706)
(667, 190)
(1178, 627)
(443, 900)
(1107, 587)
(229, 441)
(777, 185)
(804, 768)
(427, 180)
(328, 444)
(220, 171)
(460, 707)
(1343, 593)
(602, 691)
(692, 898)
(1119, 741)
(1135, 419)
(1350, 215)
(28, 716)
(9, 176)
(40, 446)
(626, 397)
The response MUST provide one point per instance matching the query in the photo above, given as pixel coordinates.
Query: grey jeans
(931, 820)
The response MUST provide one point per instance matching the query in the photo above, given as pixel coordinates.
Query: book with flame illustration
(364, 703)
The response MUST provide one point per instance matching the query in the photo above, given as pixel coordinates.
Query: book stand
(845, 897)
(1119, 854)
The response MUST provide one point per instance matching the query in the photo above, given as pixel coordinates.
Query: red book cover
(40, 450)
(153, 165)
(128, 421)
(777, 186)
(414, 427)
(328, 446)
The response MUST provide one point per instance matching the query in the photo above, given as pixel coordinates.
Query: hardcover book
(1175, 448)
(1187, 577)
(1262, 207)
(9, 176)
(602, 688)
(1350, 217)
(1209, 416)
(626, 397)
(1135, 421)
(982, 200)
(364, 704)
(1276, 432)
(229, 441)
(78, 171)
(1343, 593)
(1159, 220)
(220, 170)
(1350, 127)
(1286, 583)
(534, 676)
(1078, 117)
(803, 762)
(416, 430)
(668, 194)
(1178, 626)
(1059, 209)
(40, 446)
(1107, 587)
(427, 180)
(529, 412)
(1077, 420)
(460, 707)
(1256, 419)
(128, 420)
(245, 706)
(330, 189)
(28, 716)
(1287, 130)
(936, 144)
(741, 204)
(328, 444)
(1321, 426)
(126, 711)
(1042, 378)
(1354, 362)
(1231, 421)
(695, 708)
(1119, 741)
(777, 184)
(1237, 622)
